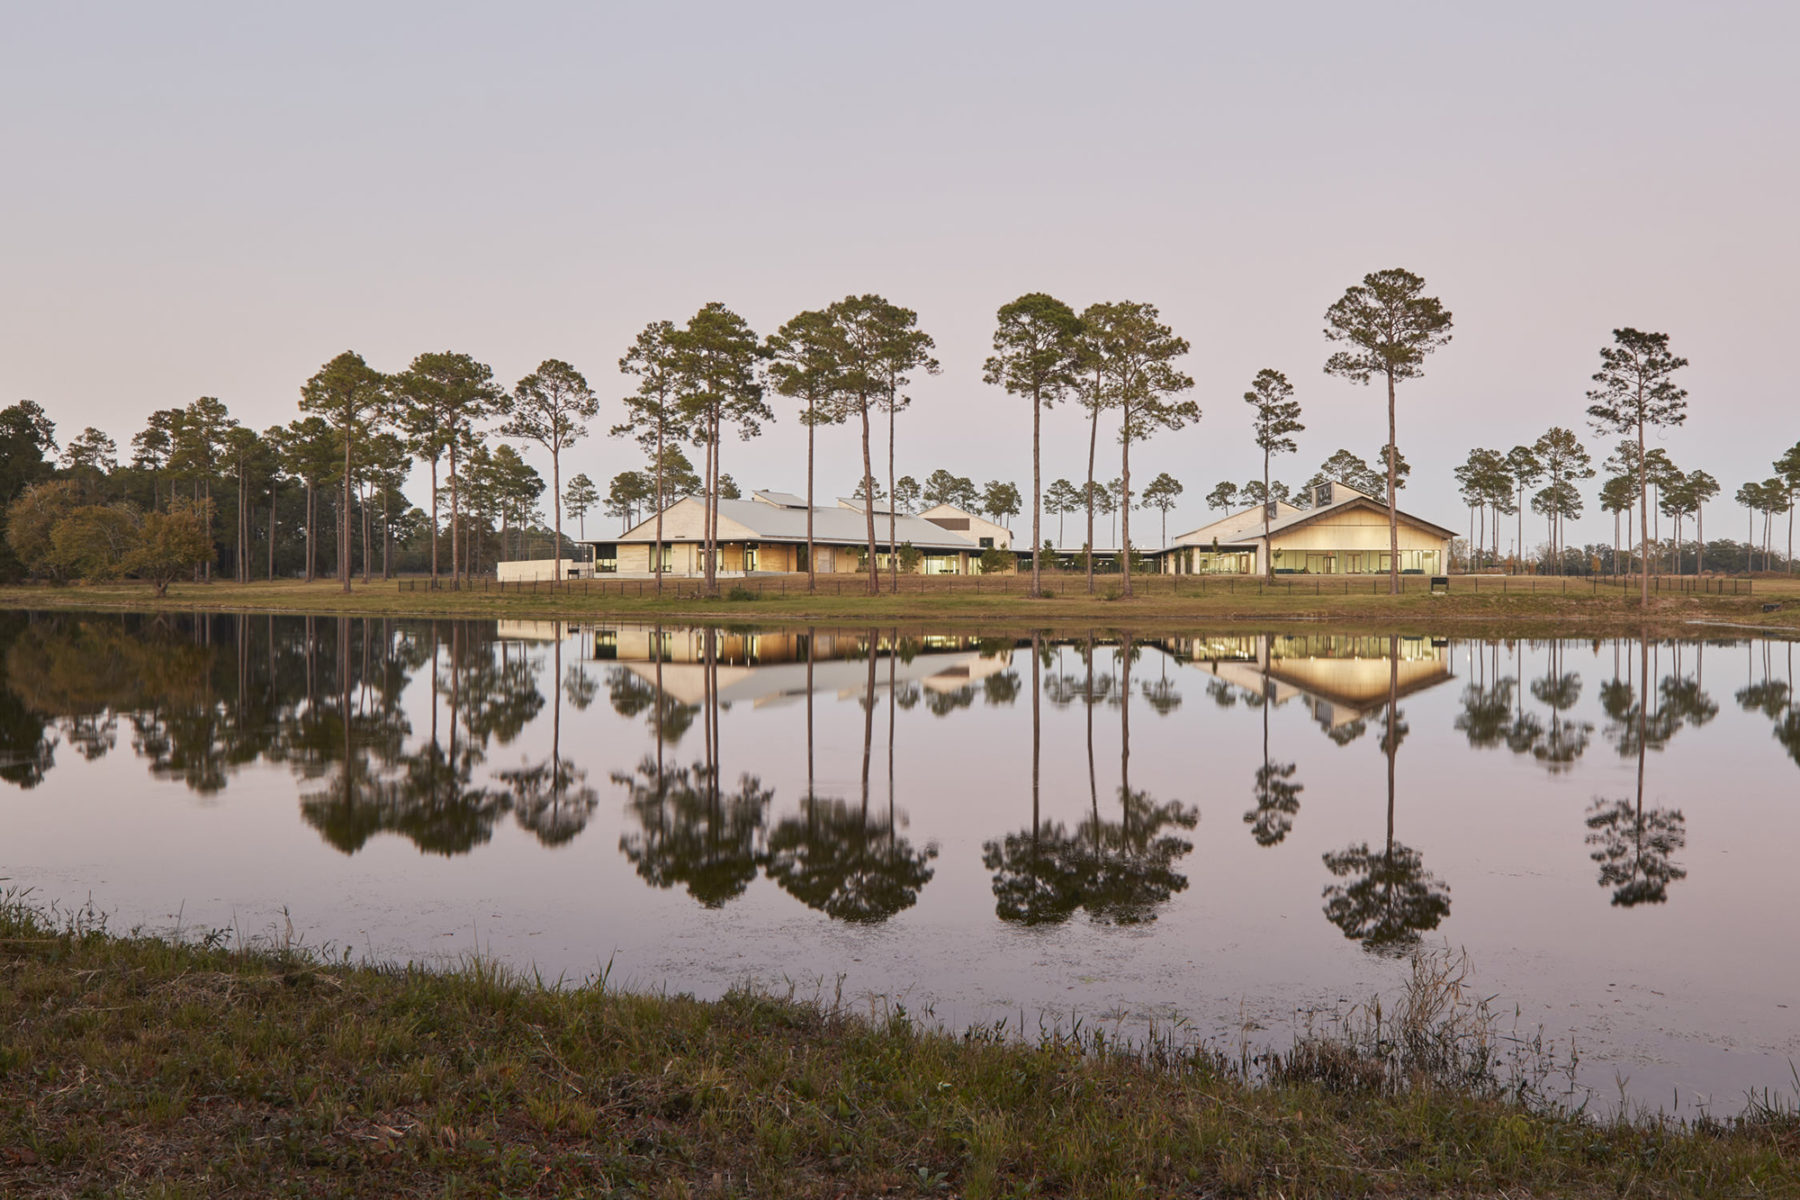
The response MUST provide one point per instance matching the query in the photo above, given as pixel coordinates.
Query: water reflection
(1772, 697)
(1386, 899)
(440, 732)
(1634, 845)
(1119, 871)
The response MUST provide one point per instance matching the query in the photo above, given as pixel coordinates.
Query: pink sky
(211, 200)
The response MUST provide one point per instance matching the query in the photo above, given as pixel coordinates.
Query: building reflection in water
(410, 728)
(1384, 897)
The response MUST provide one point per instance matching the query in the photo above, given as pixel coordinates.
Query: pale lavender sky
(215, 199)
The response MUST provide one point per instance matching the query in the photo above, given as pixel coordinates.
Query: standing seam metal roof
(768, 523)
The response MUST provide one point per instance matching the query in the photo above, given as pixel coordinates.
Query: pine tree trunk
(1125, 507)
(312, 533)
(893, 550)
(1093, 446)
(1037, 555)
(345, 519)
(1643, 518)
(1393, 452)
(656, 567)
(455, 519)
(812, 578)
(868, 505)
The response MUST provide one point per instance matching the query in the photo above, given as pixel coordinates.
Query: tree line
(203, 491)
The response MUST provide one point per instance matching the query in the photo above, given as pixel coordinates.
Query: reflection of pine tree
(1634, 848)
(631, 696)
(1162, 697)
(1120, 871)
(1130, 868)
(428, 797)
(692, 833)
(942, 704)
(1000, 688)
(433, 804)
(500, 694)
(1039, 874)
(1277, 796)
(580, 688)
(552, 798)
(842, 860)
(1566, 739)
(1683, 697)
(1770, 698)
(1388, 897)
(1773, 698)
(836, 858)
(1787, 732)
(1486, 716)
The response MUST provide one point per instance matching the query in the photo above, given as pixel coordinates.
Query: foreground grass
(1526, 606)
(133, 1066)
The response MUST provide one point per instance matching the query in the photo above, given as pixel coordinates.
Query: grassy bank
(133, 1066)
(1515, 607)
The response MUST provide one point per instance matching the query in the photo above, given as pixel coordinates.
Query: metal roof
(755, 521)
(1246, 527)
(780, 499)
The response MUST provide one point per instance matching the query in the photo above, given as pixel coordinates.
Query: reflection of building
(771, 667)
(1343, 533)
(767, 535)
(1340, 678)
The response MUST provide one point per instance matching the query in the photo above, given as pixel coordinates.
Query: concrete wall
(539, 568)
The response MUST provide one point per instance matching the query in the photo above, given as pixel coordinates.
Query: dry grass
(138, 1067)
(1522, 606)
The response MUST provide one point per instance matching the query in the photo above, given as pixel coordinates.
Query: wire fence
(1107, 584)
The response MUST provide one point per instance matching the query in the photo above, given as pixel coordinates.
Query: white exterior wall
(525, 570)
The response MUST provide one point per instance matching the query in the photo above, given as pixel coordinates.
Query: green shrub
(995, 561)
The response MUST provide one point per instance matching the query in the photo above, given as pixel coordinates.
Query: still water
(1228, 830)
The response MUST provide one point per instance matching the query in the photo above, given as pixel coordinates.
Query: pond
(1230, 830)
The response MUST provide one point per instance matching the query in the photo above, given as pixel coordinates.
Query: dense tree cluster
(202, 493)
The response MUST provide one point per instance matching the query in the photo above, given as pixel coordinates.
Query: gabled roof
(938, 513)
(1235, 526)
(759, 521)
(1245, 528)
(780, 499)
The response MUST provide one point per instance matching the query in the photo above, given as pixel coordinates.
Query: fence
(840, 584)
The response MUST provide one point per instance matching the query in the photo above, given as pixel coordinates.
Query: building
(766, 534)
(1344, 533)
(986, 534)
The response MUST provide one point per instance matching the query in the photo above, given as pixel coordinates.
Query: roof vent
(1271, 509)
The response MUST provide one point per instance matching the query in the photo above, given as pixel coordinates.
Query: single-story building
(766, 534)
(1344, 533)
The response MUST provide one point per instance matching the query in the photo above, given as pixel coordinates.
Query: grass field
(133, 1066)
(1521, 606)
